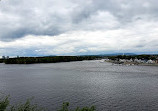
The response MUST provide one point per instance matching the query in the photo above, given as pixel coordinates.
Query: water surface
(83, 83)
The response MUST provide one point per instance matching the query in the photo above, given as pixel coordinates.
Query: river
(83, 83)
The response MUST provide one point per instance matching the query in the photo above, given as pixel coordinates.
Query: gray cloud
(50, 17)
(54, 18)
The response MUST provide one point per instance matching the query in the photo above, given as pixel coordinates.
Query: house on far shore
(138, 60)
(3, 57)
(150, 61)
(7, 57)
(156, 61)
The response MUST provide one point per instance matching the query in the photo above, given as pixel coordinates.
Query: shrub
(27, 106)
(4, 104)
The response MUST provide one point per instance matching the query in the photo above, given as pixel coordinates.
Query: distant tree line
(54, 59)
(143, 57)
(1, 60)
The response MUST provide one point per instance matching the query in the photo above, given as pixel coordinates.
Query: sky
(78, 27)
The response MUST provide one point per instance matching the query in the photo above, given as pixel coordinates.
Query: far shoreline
(53, 59)
(139, 64)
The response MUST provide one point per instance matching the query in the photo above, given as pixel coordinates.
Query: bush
(4, 104)
(66, 105)
(27, 106)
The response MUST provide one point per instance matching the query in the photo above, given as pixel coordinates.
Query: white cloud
(126, 39)
(58, 27)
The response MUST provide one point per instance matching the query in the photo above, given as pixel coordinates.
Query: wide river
(84, 83)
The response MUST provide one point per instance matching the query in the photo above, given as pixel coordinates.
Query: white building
(150, 61)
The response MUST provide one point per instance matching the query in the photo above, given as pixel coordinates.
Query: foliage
(66, 105)
(143, 57)
(27, 106)
(1, 60)
(54, 59)
(4, 104)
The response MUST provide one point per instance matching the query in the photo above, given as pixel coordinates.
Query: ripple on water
(84, 83)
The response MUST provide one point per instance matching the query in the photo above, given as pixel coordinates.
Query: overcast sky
(76, 27)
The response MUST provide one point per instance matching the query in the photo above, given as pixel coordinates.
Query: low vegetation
(54, 59)
(28, 106)
(1, 60)
(145, 57)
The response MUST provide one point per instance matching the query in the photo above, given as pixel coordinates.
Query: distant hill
(115, 54)
(49, 56)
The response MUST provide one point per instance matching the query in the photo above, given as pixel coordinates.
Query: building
(7, 57)
(3, 57)
(138, 60)
(150, 61)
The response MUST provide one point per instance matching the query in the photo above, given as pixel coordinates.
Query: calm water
(116, 88)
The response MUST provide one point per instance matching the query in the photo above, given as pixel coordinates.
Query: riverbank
(131, 63)
(148, 64)
(54, 59)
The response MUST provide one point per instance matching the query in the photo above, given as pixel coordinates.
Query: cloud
(84, 42)
(71, 27)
